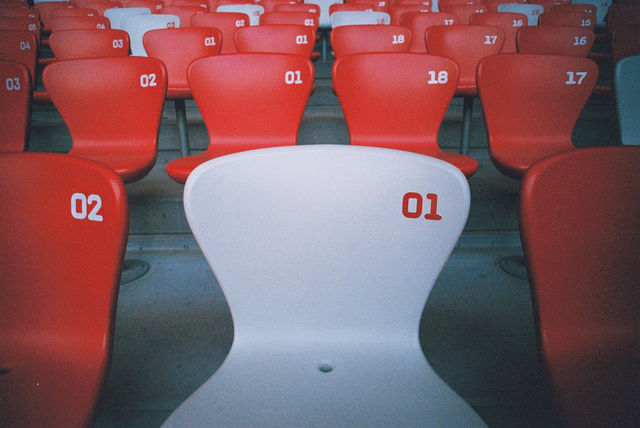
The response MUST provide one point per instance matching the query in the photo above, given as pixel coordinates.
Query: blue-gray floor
(174, 328)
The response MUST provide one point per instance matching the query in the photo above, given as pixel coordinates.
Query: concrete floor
(174, 328)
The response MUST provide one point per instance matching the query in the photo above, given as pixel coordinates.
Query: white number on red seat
(398, 39)
(25, 46)
(147, 80)
(490, 40)
(580, 41)
(441, 78)
(302, 39)
(518, 23)
(118, 43)
(292, 78)
(13, 84)
(209, 41)
(572, 77)
(240, 23)
(80, 204)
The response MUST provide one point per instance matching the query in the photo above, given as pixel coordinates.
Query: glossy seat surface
(331, 264)
(80, 23)
(62, 260)
(418, 22)
(285, 38)
(112, 107)
(15, 106)
(543, 95)
(508, 22)
(350, 39)
(398, 100)
(226, 22)
(74, 44)
(580, 228)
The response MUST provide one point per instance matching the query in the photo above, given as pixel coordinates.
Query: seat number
(80, 204)
(412, 206)
(118, 43)
(398, 39)
(292, 78)
(517, 23)
(441, 78)
(490, 40)
(147, 80)
(571, 80)
(209, 41)
(12, 84)
(580, 41)
(240, 23)
(302, 39)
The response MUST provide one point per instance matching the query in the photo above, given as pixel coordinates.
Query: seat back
(138, 25)
(297, 7)
(44, 8)
(103, 6)
(532, 11)
(568, 19)
(178, 47)
(116, 15)
(62, 264)
(580, 229)
(112, 106)
(397, 10)
(627, 90)
(394, 100)
(575, 7)
(544, 95)
(155, 6)
(350, 39)
(418, 22)
(359, 18)
(21, 47)
(20, 12)
(331, 249)
(73, 44)
(226, 22)
(236, 93)
(74, 11)
(463, 11)
(183, 12)
(602, 5)
(625, 41)
(21, 24)
(552, 40)
(15, 106)
(308, 19)
(508, 22)
(291, 39)
(253, 11)
(466, 45)
(80, 23)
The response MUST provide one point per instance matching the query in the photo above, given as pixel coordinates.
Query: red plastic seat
(580, 230)
(466, 45)
(74, 44)
(22, 24)
(74, 11)
(418, 22)
(45, 8)
(350, 39)
(398, 101)
(21, 47)
(80, 23)
(19, 12)
(226, 22)
(15, 106)
(297, 7)
(508, 22)
(292, 39)
(183, 12)
(177, 48)
(531, 104)
(352, 7)
(625, 42)
(270, 5)
(101, 6)
(62, 259)
(568, 19)
(463, 11)
(112, 107)
(575, 7)
(397, 10)
(551, 40)
(237, 95)
(308, 19)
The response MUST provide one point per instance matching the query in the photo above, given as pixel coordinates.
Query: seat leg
(181, 118)
(467, 110)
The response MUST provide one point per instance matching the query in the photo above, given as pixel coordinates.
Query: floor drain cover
(514, 266)
(132, 270)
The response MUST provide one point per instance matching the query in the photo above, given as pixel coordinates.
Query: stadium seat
(397, 10)
(44, 8)
(138, 25)
(568, 19)
(603, 8)
(508, 22)
(80, 23)
(62, 260)
(350, 39)
(177, 48)
(359, 18)
(398, 101)
(253, 11)
(463, 11)
(183, 12)
(15, 106)
(298, 7)
(418, 22)
(102, 6)
(466, 45)
(116, 15)
(112, 107)
(532, 11)
(580, 230)
(308, 19)
(627, 92)
(75, 44)
(74, 11)
(155, 6)
(336, 250)
(291, 39)
(625, 41)
(555, 40)
(226, 22)
(235, 95)
(531, 104)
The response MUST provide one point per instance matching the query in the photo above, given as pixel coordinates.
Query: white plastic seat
(117, 14)
(137, 25)
(533, 11)
(253, 11)
(627, 90)
(359, 18)
(326, 260)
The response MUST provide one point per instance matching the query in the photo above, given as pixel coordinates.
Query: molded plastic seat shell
(226, 22)
(552, 40)
(74, 44)
(350, 39)
(291, 39)
(418, 22)
(15, 106)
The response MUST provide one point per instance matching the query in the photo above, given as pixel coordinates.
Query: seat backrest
(103, 6)
(110, 105)
(138, 25)
(397, 10)
(22, 47)
(466, 45)
(253, 11)
(155, 6)
(297, 7)
(394, 100)
(116, 15)
(183, 12)
(236, 93)
(15, 106)
(330, 229)
(80, 23)
(418, 22)
(269, 5)
(359, 18)
(292, 39)
(602, 5)
(63, 258)
(22, 24)
(20, 12)
(324, 19)
(508, 22)
(44, 8)
(74, 11)
(544, 95)
(178, 47)
(627, 90)
(580, 230)
(352, 7)
(226, 22)
(574, 7)
(463, 11)
(568, 19)
(625, 41)
(552, 40)
(308, 19)
(350, 39)
(74, 44)
(532, 11)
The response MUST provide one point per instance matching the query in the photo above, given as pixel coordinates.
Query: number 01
(412, 205)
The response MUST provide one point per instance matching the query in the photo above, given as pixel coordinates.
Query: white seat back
(359, 18)
(117, 14)
(627, 89)
(137, 25)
